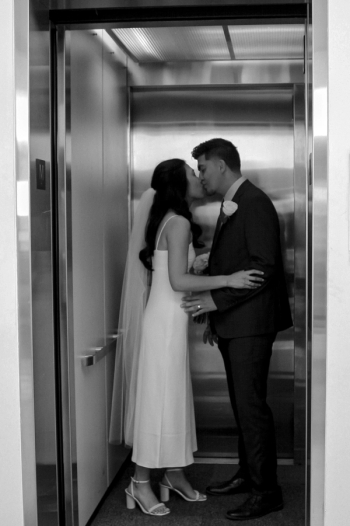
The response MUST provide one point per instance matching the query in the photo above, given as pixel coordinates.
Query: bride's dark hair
(170, 183)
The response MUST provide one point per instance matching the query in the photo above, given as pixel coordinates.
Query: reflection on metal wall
(300, 315)
(309, 132)
(217, 73)
(169, 123)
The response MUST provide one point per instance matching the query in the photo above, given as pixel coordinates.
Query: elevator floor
(113, 512)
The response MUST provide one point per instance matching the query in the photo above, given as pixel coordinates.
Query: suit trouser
(247, 363)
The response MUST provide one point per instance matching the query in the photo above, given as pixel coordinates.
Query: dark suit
(246, 323)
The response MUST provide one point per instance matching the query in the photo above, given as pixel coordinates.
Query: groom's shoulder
(255, 198)
(252, 191)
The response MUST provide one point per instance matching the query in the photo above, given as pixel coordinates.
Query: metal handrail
(99, 352)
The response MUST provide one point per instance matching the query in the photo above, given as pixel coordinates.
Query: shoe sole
(237, 492)
(277, 508)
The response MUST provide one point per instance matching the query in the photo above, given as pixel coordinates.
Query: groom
(244, 322)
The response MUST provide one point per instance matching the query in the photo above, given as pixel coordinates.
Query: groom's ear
(222, 166)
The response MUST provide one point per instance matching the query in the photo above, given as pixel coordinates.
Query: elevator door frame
(60, 155)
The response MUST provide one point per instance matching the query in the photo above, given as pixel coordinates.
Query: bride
(158, 414)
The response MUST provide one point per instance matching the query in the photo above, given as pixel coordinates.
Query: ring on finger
(198, 307)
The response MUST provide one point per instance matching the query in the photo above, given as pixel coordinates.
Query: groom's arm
(261, 229)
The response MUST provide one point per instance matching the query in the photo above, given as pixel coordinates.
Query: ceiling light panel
(165, 44)
(267, 41)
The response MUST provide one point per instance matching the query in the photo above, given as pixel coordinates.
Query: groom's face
(210, 174)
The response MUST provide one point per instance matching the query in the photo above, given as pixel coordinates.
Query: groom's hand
(209, 336)
(198, 303)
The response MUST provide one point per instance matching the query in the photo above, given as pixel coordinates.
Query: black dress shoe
(231, 487)
(257, 506)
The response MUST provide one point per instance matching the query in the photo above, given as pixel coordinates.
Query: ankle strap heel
(139, 481)
(166, 486)
(131, 501)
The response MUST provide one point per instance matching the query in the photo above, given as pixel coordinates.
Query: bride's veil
(133, 302)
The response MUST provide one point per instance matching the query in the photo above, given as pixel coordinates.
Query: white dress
(164, 430)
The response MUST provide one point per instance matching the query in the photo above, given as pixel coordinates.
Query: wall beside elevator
(335, 15)
(16, 415)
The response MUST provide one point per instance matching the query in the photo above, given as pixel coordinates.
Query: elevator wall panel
(169, 123)
(97, 229)
(87, 265)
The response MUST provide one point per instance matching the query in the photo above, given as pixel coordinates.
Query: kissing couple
(246, 299)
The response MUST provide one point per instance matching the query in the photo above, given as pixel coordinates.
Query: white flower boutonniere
(228, 209)
(200, 263)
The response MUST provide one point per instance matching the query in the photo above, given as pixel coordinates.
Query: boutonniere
(228, 209)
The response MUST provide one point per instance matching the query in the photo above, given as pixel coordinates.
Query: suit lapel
(235, 199)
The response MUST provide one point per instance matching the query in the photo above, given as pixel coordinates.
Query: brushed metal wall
(233, 73)
(168, 122)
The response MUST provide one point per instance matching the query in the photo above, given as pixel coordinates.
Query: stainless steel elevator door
(93, 224)
(168, 123)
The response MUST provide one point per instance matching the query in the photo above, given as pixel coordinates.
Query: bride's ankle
(177, 478)
(140, 486)
(175, 474)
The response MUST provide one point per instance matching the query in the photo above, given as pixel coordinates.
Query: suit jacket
(250, 239)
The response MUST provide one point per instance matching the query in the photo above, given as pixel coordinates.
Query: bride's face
(194, 188)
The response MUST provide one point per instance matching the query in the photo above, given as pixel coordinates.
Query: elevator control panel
(40, 174)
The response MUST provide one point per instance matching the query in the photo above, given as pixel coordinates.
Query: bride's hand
(245, 279)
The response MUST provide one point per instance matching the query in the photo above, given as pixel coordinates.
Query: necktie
(219, 223)
(222, 215)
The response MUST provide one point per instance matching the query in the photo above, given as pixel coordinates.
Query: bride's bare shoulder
(179, 222)
(179, 228)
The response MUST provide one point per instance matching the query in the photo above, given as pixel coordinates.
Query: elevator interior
(128, 98)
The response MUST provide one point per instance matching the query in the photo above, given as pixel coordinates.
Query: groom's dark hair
(221, 149)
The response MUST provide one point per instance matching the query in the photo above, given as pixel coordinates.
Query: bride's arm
(178, 236)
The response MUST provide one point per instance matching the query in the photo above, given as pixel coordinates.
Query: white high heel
(157, 510)
(166, 488)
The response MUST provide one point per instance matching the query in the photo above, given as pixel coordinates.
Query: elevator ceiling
(232, 42)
